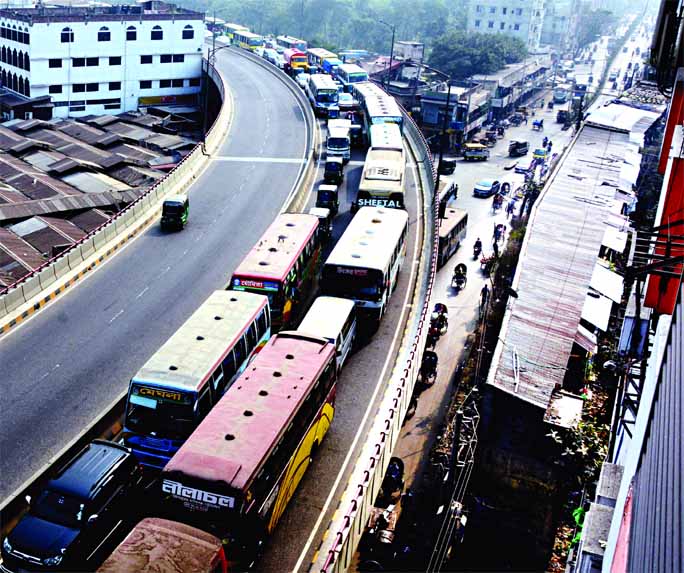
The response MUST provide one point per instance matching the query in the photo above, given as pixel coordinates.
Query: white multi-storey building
(519, 18)
(560, 25)
(104, 59)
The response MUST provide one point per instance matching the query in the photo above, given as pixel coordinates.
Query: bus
(350, 74)
(452, 232)
(173, 391)
(386, 136)
(232, 29)
(364, 265)
(561, 93)
(378, 106)
(290, 43)
(236, 474)
(382, 180)
(295, 60)
(334, 319)
(157, 544)
(248, 40)
(317, 55)
(323, 95)
(284, 265)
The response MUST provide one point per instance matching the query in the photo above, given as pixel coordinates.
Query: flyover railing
(336, 551)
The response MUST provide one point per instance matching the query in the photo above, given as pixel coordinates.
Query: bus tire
(312, 453)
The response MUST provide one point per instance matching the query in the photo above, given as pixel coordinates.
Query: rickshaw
(491, 135)
(325, 218)
(538, 125)
(475, 151)
(334, 170)
(175, 212)
(460, 279)
(327, 197)
(518, 148)
(517, 119)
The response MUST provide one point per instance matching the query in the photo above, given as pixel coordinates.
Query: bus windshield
(338, 142)
(162, 413)
(327, 96)
(346, 282)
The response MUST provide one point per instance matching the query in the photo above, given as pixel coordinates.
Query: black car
(77, 512)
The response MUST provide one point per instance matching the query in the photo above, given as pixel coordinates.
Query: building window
(157, 33)
(78, 88)
(145, 85)
(164, 83)
(477, 23)
(492, 9)
(112, 106)
(114, 86)
(78, 62)
(502, 26)
(479, 9)
(55, 63)
(165, 58)
(518, 11)
(25, 38)
(194, 82)
(115, 61)
(504, 10)
(490, 24)
(15, 36)
(67, 35)
(176, 83)
(131, 34)
(27, 63)
(188, 32)
(145, 59)
(77, 108)
(56, 89)
(27, 90)
(178, 58)
(91, 62)
(516, 26)
(104, 35)
(92, 87)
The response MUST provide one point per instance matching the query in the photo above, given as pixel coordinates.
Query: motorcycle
(460, 279)
(477, 249)
(428, 367)
(439, 320)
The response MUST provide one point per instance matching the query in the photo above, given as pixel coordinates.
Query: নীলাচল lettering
(179, 490)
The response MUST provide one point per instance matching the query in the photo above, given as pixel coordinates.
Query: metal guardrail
(109, 423)
(339, 544)
(122, 224)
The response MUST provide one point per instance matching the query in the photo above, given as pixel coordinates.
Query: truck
(338, 143)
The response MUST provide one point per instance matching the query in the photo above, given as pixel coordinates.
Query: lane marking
(257, 159)
(390, 358)
(117, 315)
(143, 291)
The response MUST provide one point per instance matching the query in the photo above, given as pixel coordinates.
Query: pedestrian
(510, 208)
(525, 119)
(550, 144)
(496, 250)
(497, 233)
(545, 141)
(484, 297)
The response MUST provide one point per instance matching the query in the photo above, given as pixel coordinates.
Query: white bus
(382, 180)
(322, 92)
(173, 391)
(452, 231)
(386, 136)
(334, 319)
(364, 265)
(288, 42)
(350, 74)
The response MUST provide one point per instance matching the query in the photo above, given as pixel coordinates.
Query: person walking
(510, 208)
(496, 250)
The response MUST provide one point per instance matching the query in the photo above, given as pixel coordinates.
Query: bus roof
(289, 53)
(254, 412)
(185, 360)
(452, 217)
(326, 317)
(157, 544)
(237, 27)
(386, 136)
(368, 89)
(323, 82)
(370, 238)
(383, 171)
(382, 107)
(279, 247)
(249, 35)
(353, 69)
(321, 53)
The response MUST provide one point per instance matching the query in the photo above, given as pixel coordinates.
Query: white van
(334, 319)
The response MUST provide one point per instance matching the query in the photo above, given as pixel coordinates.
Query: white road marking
(117, 315)
(143, 291)
(257, 159)
(389, 360)
(49, 372)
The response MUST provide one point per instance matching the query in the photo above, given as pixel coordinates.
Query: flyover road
(62, 367)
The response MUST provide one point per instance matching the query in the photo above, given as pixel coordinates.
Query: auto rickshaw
(518, 148)
(328, 198)
(334, 170)
(325, 218)
(539, 154)
(175, 211)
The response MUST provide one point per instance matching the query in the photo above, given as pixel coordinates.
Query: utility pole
(444, 130)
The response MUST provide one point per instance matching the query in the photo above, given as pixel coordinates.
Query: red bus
(235, 475)
(284, 265)
(295, 60)
(159, 545)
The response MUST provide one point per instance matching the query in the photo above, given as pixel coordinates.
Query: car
(302, 80)
(77, 511)
(259, 51)
(279, 62)
(347, 102)
(270, 55)
(486, 188)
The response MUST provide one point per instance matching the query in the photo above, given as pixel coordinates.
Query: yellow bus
(247, 40)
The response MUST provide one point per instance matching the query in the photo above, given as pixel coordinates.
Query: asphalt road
(307, 515)
(62, 367)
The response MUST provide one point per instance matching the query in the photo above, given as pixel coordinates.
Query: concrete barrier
(47, 276)
(3, 308)
(61, 266)
(99, 240)
(110, 231)
(75, 258)
(87, 248)
(31, 288)
(14, 299)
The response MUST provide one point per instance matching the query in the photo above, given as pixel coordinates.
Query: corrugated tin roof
(135, 153)
(556, 264)
(32, 182)
(95, 182)
(17, 257)
(8, 138)
(89, 220)
(135, 176)
(82, 131)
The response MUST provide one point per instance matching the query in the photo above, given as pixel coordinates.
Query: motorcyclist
(477, 247)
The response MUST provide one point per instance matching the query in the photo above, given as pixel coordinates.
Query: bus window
(240, 351)
(252, 337)
(229, 368)
(262, 323)
(218, 381)
(204, 403)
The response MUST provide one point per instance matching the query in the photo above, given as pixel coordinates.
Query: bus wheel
(312, 453)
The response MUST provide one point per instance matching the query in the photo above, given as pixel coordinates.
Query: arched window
(14, 82)
(157, 33)
(15, 36)
(20, 60)
(3, 31)
(67, 35)
(15, 60)
(27, 62)
(20, 87)
(104, 35)
(4, 79)
(27, 88)
(3, 55)
(131, 33)
(188, 32)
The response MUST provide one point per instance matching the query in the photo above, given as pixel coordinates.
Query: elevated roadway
(62, 367)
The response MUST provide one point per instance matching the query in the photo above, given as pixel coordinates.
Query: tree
(462, 55)
(593, 23)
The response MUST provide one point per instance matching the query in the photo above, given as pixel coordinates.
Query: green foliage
(583, 448)
(592, 24)
(462, 55)
(342, 23)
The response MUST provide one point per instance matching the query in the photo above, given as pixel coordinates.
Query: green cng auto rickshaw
(175, 211)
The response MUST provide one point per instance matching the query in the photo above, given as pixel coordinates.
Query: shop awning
(615, 239)
(607, 282)
(586, 339)
(597, 309)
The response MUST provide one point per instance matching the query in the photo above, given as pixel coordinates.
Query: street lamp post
(443, 134)
(393, 28)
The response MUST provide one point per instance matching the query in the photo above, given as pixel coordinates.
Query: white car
(302, 80)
